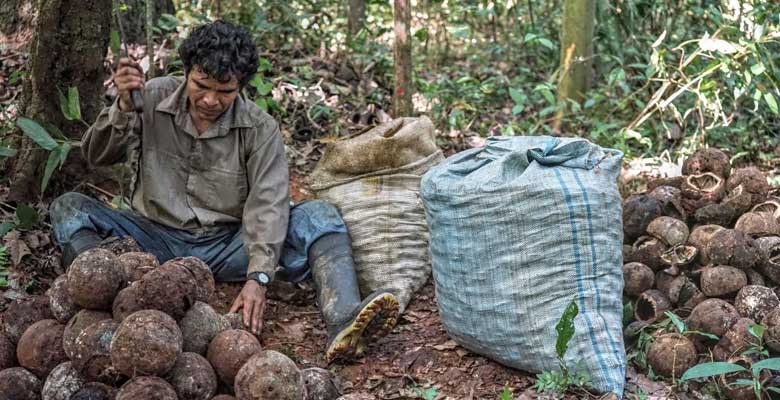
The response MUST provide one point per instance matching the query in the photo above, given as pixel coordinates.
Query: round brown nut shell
(270, 375)
(648, 250)
(22, 313)
(193, 377)
(81, 321)
(199, 327)
(700, 237)
(170, 288)
(120, 245)
(229, 351)
(146, 388)
(235, 321)
(721, 214)
(637, 278)
(146, 343)
(757, 224)
(701, 190)
(94, 279)
(734, 248)
(671, 231)
(93, 351)
(62, 383)
(202, 274)
(62, 306)
(707, 160)
(136, 264)
(638, 212)
(770, 257)
(772, 334)
(684, 293)
(713, 316)
(651, 306)
(679, 255)
(754, 278)
(670, 198)
(19, 384)
(320, 384)
(735, 341)
(755, 302)
(95, 391)
(126, 302)
(671, 355)
(7, 352)
(664, 281)
(752, 180)
(40, 348)
(722, 280)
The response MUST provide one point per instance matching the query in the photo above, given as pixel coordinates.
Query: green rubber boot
(345, 315)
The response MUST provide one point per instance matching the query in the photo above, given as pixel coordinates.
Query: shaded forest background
(655, 78)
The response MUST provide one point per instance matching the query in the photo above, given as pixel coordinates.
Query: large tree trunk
(402, 91)
(357, 16)
(69, 44)
(576, 65)
(134, 19)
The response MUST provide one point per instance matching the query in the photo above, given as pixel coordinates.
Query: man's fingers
(257, 317)
(237, 303)
(248, 306)
(126, 62)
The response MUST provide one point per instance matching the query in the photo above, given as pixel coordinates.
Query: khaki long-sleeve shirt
(235, 172)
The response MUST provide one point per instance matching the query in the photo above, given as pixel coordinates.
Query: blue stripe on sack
(612, 343)
(580, 290)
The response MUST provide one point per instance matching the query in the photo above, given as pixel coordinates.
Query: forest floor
(416, 357)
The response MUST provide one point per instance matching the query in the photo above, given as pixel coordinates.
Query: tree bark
(134, 19)
(70, 40)
(357, 16)
(576, 67)
(402, 63)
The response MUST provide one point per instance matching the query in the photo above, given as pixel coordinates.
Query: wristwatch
(260, 277)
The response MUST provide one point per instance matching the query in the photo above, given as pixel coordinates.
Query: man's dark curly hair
(220, 49)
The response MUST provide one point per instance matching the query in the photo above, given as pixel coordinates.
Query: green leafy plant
(713, 369)
(42, 136)
(558, 382)
(757, 348)
(3, 266)
(506, 394)
(680, 326)
(427, 394)
(262, 87)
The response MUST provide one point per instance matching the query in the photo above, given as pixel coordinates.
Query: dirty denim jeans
(222, 249)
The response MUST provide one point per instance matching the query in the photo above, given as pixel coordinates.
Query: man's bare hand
(127, 78)
(252, 300)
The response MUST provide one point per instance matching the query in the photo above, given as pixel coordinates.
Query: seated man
(211, 181)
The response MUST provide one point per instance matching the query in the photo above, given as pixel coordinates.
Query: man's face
(208, 97)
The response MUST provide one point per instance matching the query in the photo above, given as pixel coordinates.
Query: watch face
(263, 278)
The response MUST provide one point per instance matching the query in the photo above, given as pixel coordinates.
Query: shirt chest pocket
(220, 190)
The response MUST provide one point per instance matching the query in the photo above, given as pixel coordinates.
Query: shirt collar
(237, 116)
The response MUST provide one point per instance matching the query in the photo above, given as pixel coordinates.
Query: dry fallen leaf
(448, 345)
(17, 249)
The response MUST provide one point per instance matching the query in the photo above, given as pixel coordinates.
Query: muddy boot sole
(380, 309)
(385, 321)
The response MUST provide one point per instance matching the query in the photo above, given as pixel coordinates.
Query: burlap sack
(374, 181)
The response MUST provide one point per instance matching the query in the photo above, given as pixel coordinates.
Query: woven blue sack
(518, 229)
